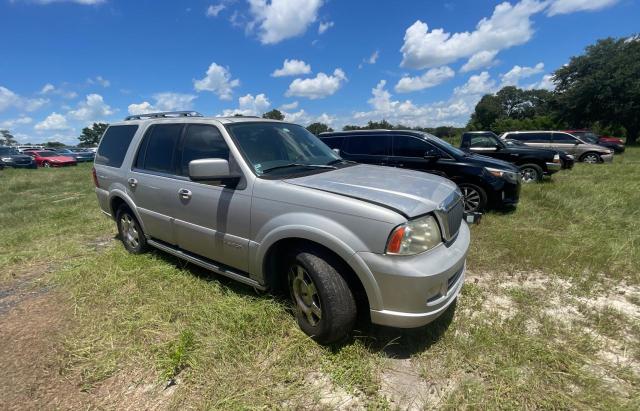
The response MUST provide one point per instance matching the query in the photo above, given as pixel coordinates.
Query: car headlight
(510, 176)
(414, 237)
(570, 157)
(7, 159)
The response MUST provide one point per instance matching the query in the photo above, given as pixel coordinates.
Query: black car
(567, 160)
(484, 181)
(11, 157)
(534, 163)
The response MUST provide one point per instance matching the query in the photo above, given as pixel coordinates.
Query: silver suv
(558, 140)
(268, 204)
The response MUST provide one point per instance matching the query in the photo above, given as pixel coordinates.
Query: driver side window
(202, 141)
(406, 146)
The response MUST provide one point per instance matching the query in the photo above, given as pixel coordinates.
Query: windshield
(8, 151)
(281, 147)
(446, 146)
(47, 154)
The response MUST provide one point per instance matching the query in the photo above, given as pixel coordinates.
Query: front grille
(450, 215)
(454, 218)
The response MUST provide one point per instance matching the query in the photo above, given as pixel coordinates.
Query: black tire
(130, 231)
(531, 173)
(591, 158)
(46, 164)
(475, 198)
(314, 279)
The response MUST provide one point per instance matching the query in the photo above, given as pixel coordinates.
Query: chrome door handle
(184, 193)
(132, 182)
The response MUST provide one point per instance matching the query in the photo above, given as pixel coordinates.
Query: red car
(46, 158)
(613, 143)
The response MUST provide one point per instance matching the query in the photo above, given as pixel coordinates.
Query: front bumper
(415, 290)
(553, 167)
(607, 158)
(21, 165)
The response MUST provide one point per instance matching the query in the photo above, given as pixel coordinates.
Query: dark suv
(484, 182)
(534, 163)
(11, 157)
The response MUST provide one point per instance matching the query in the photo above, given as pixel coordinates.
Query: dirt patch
(324, 394)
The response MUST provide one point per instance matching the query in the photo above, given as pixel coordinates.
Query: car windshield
(588, 137)
(8, 151)
(47, 154)
(281, 147)
(446, 146)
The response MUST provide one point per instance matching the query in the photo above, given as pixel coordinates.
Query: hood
(411, 193)
(484, 161)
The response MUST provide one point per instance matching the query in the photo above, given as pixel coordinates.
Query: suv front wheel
(324, 304)
(130, 231)
(474, 197)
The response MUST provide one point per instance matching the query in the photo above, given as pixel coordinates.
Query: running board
(205, 264)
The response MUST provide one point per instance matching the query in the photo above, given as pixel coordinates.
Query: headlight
(570, 157)
(7, 159)
(510, 176)
(414, 237)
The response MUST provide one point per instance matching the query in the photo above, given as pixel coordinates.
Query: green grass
(228, 347)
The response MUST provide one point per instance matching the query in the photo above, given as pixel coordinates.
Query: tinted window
(531, 137)
(374, 145)
(202, 141)
(159, 147)
(114, 145)
(563, 138)
(405, 146)
(483, 141)
(333, 142)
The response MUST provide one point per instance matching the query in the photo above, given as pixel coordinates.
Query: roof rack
(163, 114)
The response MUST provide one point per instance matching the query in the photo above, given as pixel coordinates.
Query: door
(409, 152)
(565, 142)
(368, 149)
(211, 220)
(151, 182)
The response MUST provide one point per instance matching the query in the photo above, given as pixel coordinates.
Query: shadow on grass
(392, 342)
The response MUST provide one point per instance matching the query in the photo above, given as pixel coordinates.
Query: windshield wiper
(340, 160)
(298, 165)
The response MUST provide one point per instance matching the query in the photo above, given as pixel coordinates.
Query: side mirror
(211, 169)
(431, 155)
(336, 150)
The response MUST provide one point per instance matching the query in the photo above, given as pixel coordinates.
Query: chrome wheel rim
(591, 159)
(528, 175)
(129, 231)
(46, 165)
(471, 199)
(305, 294)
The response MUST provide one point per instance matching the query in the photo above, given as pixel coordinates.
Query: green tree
(6, 137)
(603, 86)
(317, 128)
(91, 135)
(273, 115)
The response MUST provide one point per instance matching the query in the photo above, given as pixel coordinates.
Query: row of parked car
(489, 180)
(39, 157)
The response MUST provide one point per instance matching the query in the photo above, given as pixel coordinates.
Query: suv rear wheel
(130, 231)
(530, 173)
(475, 198)
(324, 304)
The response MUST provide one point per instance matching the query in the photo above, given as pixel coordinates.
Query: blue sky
(68, 63)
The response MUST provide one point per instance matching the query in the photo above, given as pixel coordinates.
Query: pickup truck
(534, 163)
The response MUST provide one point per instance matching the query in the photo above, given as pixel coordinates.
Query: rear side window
(202, 141)
(158, 148)
(485, 141)
(563, 138)
(531, 137)
(375, 145)
(114, 145)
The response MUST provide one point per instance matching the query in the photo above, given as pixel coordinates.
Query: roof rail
(163, 114)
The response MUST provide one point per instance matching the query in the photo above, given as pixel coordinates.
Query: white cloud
(164, 102)
(324, 26)
(9, 99)
(513, 76)
(571, 6)
(248, 105)
(478, 84)
(320, 86)
(546, 83)
(430, 78)
(92, 109)
(374, 57)
(282, 19)
(292, 68)
(54, 121)
(20, 121)
(290, 106)
(47, 88)
(217, 80)
(51, 89)
(481, 59)
(326, 119)
(100, 81)
(508, 26)
(214, 10)
(299, 117)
